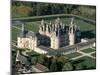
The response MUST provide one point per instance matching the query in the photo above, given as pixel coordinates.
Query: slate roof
(41, 67)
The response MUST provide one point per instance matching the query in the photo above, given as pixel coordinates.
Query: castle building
(52, 35)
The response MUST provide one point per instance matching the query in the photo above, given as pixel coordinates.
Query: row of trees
(53, 63)
(58, 63)
(22, 9)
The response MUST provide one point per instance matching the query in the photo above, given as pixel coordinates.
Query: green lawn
(33, 26)
(88, 50)
(94, 54)
(86, 62)
(15, 32)
(72, 55)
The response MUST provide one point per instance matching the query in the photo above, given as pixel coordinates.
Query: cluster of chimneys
(57, 28)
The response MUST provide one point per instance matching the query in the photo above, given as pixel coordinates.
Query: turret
(42, 22)
(40, 29)
(57, 21)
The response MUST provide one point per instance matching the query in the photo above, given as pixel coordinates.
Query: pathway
(84, 54)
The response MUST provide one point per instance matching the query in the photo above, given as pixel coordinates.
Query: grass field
(94, 54)
(72, 55)
(88, 50)
(15, 33)
(84, 26)
(87, 62)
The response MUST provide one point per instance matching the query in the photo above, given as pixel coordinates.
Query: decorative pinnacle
(22, 27)
(72, 20)
(42, 22)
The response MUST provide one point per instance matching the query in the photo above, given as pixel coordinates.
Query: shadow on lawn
(88, 34)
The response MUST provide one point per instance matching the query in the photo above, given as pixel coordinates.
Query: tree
(68, 67)
(60, 62)
(57, 63)
(68, 9)
(41, 59)
(34, 60)
(53, 67)
(85, 11)
(21, 11)
(79, 67)
(61, 59)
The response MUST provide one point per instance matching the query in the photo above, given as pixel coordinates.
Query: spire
(75, 27)
(72, 20)
(42, 22)
(57, 21)
(72, 26)
(22, 30)
(40, 28)
(47, 27)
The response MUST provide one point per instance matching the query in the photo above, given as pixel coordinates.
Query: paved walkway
(77, 57)
(87, 54)
(84, 54)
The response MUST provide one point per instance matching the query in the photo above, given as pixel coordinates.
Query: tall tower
(71, 33)
(22, 31)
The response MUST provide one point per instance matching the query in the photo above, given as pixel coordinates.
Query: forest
(27, 9)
